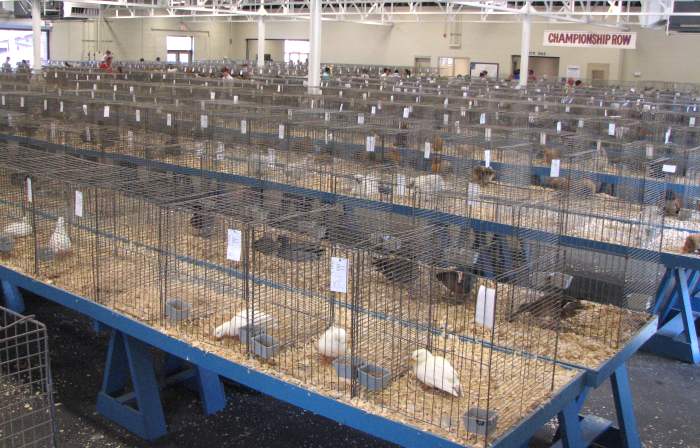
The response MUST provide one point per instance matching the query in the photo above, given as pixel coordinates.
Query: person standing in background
(106, 64)
(7, 67)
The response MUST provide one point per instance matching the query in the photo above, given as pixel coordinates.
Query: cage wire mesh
(27, 408)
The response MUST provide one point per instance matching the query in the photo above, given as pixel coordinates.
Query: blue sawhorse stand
(678, 307)
(13, 297)
(579, 431)
(140, 411)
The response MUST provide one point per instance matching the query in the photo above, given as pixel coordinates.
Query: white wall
(132, 39)
(664, 58)
(399, 45)
(658, 57)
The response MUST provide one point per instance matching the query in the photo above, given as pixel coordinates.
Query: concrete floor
(666, 393)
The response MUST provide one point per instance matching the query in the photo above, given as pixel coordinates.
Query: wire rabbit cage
(27, 408)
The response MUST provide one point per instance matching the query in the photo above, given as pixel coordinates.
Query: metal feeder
(480, 421)
(246, 332)
(265, 346)
(6, 244)
(345, 365)
(177, 310)
(373, 377)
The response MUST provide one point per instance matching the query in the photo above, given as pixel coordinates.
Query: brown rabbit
(483, 175)
(692, 244)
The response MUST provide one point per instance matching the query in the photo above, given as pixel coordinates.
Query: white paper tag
(327, 116)
(60, 106)
(30, 195)
(482, 118)
(400, 184)
(580, 123)
(280, 132)
(485, 306)
(3, 100)
(130, 138)
(671, 169)
(78, 204)
(138, 115)
(691, 122)
(487, 158)
(131, 89)
(244, 127)
(105, 112)
(611, 129)
(554, 168)
(650, 151)
(204, 121)
(374, 110)
(473, 191)
(169, 119)
(220, 151)
(369, 143)
(406, 111)
(46, 105)
(487, 134)
(235, 99)
(85, 109)
(543, 138)
(233, 245)
(567, 109)
(360, 119)
(94, 86)
(558, 127)
(212, 95)
(667, 137)
(339, 274)
(115, 87)
(426, 150)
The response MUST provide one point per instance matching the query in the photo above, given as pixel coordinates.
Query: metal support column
(314, 70)
(36, 35)
(261, 44)
(525, 48)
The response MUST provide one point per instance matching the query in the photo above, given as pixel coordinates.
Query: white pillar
(261, 44)
(525, 50)
(36, 34)
(314, 78)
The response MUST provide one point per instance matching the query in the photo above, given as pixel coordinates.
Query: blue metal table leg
(129, 358)
(206, 383)
(13, 298)
(688, 318)
(211, 391)
(570, 426)
(624, 408)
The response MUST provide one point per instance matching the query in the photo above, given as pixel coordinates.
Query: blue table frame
(128, 358)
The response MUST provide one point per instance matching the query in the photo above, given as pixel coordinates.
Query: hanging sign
(590, 39)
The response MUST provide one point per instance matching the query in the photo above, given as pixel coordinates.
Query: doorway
(448, 66)
(598, 73)
(543, 66)
(422, 64)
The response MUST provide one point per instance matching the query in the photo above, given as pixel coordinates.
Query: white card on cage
(78, 203)
(485, 306)
(233, 245)
(554, 168)
(339, 274)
